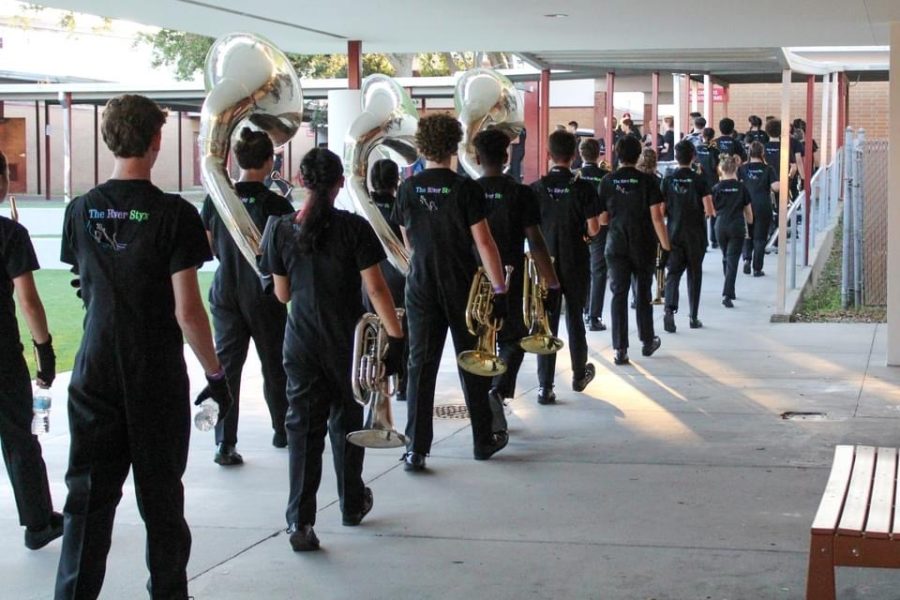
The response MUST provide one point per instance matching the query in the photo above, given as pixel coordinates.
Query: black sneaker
(727, 303)
(669, 321)
(696, 323)
(546, 395)
(499, 441)
(227, 456)
(582, 382)
(621, 357)
(759, 274)
(368, 502)
(413, 461)
(651, 347)
(746, 267)
(303, 538)
(279, 439)
(498, 411)
(596, 325)
(37, 539)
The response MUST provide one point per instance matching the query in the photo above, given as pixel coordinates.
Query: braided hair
(321, 170)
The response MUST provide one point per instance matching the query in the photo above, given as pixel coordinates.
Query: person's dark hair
(757, 150)
(684, 152)
(699, 123)
(628, 123)
(253, 149)
(438, 136)
(695, 115)
(726, 126)
(573, 124)
(129, 124)
(320, 170)
(629, 149)
(799, 124)
(755, 121)
(385, 176)
(728, 164)
(590, 150)
(670, 121)
(709, 133)
(769, 117)
(561, 145)
(773, 128)
(491, 146)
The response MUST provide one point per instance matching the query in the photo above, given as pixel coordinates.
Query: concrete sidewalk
(675, 478)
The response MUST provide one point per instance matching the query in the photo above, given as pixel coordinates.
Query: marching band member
(591, 171)
(732, 204)
(761, 180)
(727, 143)
(708, 158)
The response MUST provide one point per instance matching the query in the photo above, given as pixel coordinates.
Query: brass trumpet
(660, 277)
(540, 340)
(371, 388)
(483, 360)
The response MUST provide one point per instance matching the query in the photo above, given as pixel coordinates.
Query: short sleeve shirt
(729, 145)
(684, 191)
(17, 258)
(758, 178)
(512, 207)
(627, 195)
(730, 196)
(566, 204)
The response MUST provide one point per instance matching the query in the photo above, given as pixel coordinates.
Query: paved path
(674, 479)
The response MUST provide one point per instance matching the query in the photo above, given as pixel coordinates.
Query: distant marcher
(732, 203)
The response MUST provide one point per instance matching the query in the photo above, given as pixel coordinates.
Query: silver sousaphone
(249, 82)
(485, 99)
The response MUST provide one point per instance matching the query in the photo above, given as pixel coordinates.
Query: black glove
(551, 302)
(393, 357)
(500, 306)
(217, 390)
(46, 361)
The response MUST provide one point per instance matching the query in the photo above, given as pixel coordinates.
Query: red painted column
(543, 120)
(600, 115)
(842, 107)
(808, 160)
(654, 108)
(610, 113)
(354, 65)
(687, 125)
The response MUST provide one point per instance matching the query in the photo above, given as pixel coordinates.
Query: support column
(893, 225)
(686, 123)
(654, 109)
(781, 293)
(842, 107)
(610, 114)
(66, 104)
(543, 121)
(37, 143)
(354, 65)
(808, 161)
(836, 134)
(96, 146)
(707, 100)
(600, 115)
(678, 100)
(180, 154)
(47, 148)
(824, 138)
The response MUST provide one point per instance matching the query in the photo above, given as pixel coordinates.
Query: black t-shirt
(669, 140)
(756, 135)
(708, 157)
(684, 191)
(773, 154)
(512, 207)
(758, 178)
(235, 277)
(728, 144)
(126, 239)
(594, 173)
(627, 195)
(17, 258)
(437, 208)
(396, 280)
(730, 196)
(325, 283)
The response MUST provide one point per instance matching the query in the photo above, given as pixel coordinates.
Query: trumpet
(371, 388)
(483, 360)
(660, 277)
(540, 340)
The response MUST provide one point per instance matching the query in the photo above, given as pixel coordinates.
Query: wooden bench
(856, 525)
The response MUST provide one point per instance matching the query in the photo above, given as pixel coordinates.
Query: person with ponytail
(241, 309)
(319, 258)
(732, 205)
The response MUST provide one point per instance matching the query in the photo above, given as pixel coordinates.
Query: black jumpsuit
(593, 173)
(437, 208)
(708, 158)
(627, 194)
(730, 197)
(21, 450)
(318, 354)
(566, 204)
(129, 402)
(241, 310)
(684, 191)
(758, 177)
(513, 207)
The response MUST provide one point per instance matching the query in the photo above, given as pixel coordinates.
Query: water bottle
(208, 415)
(40, 406)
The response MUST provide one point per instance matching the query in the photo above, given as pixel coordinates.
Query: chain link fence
(874, 199)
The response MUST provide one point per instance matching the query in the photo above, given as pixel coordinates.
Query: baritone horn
(386, 128)
(13, 209)
(371, 388)
(249, 82)
(485, 99)
(540, 339)
(480, 321)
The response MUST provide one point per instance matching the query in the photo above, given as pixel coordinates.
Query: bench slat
(833, 499)
(878, 523)
(853, 519)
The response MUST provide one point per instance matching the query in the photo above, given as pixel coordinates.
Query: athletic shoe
(546, 395)
(727, 303)
(759, 274)
(227, 456)
(303, 538)
(279, 439)
(696, 323)
(582, 382)
(652, 346)
(746, 267)
(596, 325)
(413, 461)
(621, 357)
(37, 539)
(669, 321)
(368, 502)
(499, 441)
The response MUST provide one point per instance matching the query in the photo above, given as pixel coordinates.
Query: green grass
(65, 315)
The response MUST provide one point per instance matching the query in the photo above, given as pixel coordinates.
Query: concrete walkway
(674, 478)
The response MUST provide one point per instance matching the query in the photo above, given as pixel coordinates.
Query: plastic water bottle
(208, 415)
(40, 406)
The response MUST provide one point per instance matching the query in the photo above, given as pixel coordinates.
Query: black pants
(546, 363)
(234, 327)
(755, 247)
(731, 241)
(429, 320)
(320, 400)
(509, 336)
(141, 422)
(681, 259)
(621, 271)
(21, 450)
(598, 276)
(712, 232)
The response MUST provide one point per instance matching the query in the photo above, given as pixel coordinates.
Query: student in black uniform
(591, 171)
(708, 159)
(760, 180)
(732, 203)
(569, 209)
(21, 450)
(696, 134)
(668, 150)
(727, 144)
(514, 216)
(635, 209)
(240, 307)
(688, 203)
(136, 251)
(773, 150)
(441, 215)
(755, 133)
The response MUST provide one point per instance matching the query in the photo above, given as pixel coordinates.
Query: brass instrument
(13, 209)
(386, 128)
(660, 277)
(540, 340)
(483, 360)
(250, 83)
(371, 388)
(485, 99)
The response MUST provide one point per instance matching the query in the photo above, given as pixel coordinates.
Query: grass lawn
(65, 314)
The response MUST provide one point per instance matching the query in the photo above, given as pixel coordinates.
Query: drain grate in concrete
(803, 416)
(451, 411)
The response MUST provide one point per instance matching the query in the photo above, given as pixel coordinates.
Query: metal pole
(47, 148)
(781, 284)
(707, 100)
(610, 114)
(808, 163)
(858, 199)
(180, 156)
(66, 103)
(96, 147)
(37, 142)
(654, 104)
(846, 256)
(676, 97)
